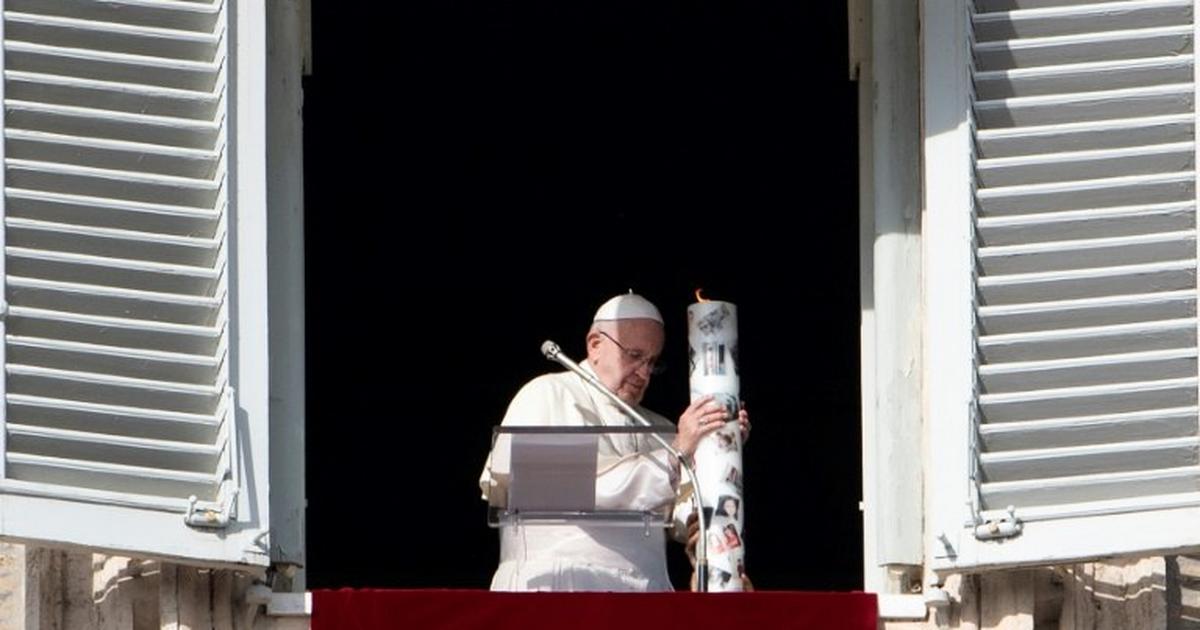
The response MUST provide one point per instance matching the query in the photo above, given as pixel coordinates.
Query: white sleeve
(640, 481)
(530, 406)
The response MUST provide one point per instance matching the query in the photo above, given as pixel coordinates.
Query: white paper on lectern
(553, 472)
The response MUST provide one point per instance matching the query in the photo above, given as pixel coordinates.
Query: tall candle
(713, 355)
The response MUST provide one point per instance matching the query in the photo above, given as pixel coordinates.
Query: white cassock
(634, 474)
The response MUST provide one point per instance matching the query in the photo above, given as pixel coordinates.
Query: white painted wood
(1090, 76)
(1090, 164)
(134, 216)
(1087, 312)
(1057, 226)
(1157, 100)
(1092, 399)
(249, 316)
(53, 521)
(131, 450)
(1084, 194)
(1086, 135)
(1066, 343)
(874, 576)
(1087, 253)
(1086, 488)
(1196, 184)
(4, 214)
(90, 495)
(990, 6)
(896, 281)
(1072, 284)
(1083, 48)
(948, 282)
(167, 218)
(133, 362)
(1080, 229)
(285, 191)
(1039, 463)
(1075, 19)
(1096, 429)
(1059, 541)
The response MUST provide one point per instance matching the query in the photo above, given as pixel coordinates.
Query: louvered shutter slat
(1084, 430)
(1110, 222)
(1090, 370)
(1026, 22)
(199, 17)
(50, 295)
(1066, 461)
(1084, 136)
(62, 413)
(1074, 490)
(1083, 48)
(139, 365)
(93, 211)
(117, 478)
(1103, 75)
(143, 452)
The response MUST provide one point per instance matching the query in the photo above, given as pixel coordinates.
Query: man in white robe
(623, 346)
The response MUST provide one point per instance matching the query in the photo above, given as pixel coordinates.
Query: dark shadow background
(480, 176)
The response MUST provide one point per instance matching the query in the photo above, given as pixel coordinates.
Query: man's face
(624, 358)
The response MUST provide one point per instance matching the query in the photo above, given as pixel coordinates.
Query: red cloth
(371, 609)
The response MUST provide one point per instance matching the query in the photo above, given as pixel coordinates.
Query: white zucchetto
(628, 306)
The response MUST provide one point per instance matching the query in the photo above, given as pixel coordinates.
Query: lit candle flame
(700, 298)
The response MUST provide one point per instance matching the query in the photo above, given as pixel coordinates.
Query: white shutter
(1063, 380)
(121, 423)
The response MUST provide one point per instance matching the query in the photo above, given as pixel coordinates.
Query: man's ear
(593, 343)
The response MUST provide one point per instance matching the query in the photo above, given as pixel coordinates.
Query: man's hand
(702, 417)
(744, 422)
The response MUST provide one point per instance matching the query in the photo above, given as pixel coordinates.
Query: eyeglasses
(638, 357)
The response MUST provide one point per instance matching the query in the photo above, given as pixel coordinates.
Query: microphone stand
(554, 353)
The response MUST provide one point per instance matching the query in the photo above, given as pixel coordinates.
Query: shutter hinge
(1008, 526)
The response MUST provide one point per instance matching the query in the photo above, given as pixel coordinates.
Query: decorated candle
(713, 358)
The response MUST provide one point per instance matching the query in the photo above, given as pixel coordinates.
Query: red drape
(371, 609)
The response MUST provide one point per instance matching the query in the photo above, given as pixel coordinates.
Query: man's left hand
(744, 422)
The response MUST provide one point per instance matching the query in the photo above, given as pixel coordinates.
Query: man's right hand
(702, 417)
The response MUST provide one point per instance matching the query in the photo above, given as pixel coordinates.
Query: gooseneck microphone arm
(554, 353)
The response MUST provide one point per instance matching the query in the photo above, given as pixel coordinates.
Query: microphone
(551, 351)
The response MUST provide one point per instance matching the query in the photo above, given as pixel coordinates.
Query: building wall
(1151, 593)
(52, 589)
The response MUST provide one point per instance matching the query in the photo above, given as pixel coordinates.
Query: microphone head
(550, 349)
